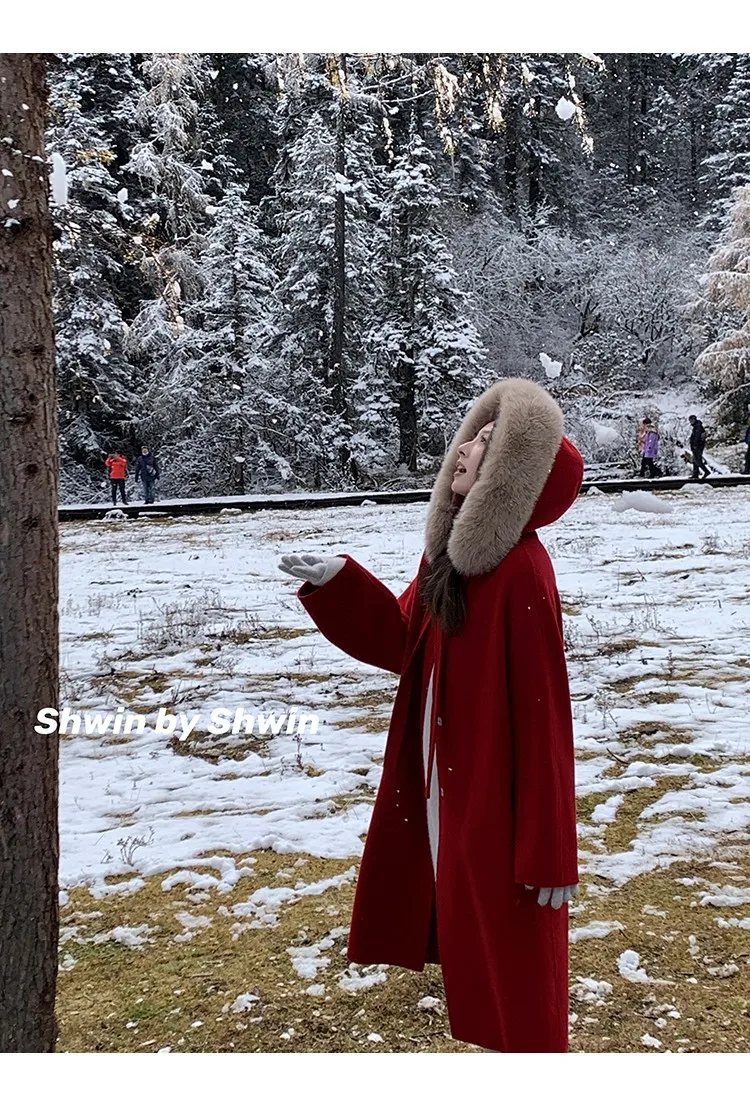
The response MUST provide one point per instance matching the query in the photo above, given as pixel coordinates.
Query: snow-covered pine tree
(728, 167)
(459, 81)
(244, 92)
(425, 348)
(725, 364)
(215, 408)
(539, 120)
(96, 397)
(325, 210)
(680, 126)
(182, 155)
(182, 168)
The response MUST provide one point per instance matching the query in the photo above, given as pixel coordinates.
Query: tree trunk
(407, 412)
(694, 159)
(512, 113)
(637, 110)
(28, 569)
(336, 361)
(535, 173)
(404, 372)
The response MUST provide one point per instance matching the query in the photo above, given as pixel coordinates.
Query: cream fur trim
(524, 443)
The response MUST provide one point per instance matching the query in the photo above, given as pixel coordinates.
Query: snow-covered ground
(193, 614)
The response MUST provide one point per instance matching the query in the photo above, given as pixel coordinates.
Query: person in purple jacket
(650, 449)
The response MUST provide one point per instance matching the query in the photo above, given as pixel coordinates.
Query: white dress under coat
(433, 801)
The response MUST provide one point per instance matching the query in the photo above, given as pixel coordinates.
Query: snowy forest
(288, 271)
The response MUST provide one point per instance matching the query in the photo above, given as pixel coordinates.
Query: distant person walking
(649, 449)
(147, 472)
(117, 465)
(697, 446)
(746, 469)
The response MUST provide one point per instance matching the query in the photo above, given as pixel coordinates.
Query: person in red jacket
(471, 854)
(117, 466)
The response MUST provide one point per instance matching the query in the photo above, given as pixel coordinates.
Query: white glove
(556, 897)
(315, 570)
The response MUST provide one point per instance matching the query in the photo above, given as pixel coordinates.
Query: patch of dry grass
(714, 1010)
(164, 988)
(173, 993)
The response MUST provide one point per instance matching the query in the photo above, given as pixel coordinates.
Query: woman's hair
(441, 586)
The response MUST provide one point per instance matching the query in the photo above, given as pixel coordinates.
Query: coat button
(439, 721)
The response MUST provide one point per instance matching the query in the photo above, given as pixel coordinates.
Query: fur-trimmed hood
(529, 477)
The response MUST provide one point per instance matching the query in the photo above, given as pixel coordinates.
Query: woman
(650, 450)
(471, 855)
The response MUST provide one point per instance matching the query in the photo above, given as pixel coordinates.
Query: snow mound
(641, 501)
(588, 990)
(351, 981)
(243, 1002)
(607, 811)
(131, 936)
(597, 928)
(629, 966)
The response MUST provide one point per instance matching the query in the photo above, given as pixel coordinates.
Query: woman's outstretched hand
(315, 570)
(555, 897)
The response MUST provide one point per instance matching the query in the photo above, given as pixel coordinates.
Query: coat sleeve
(356, 612)
(545, 833)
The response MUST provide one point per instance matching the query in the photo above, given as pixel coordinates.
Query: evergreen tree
(214, 400)
(426, 348)
(244, 92)
(96, 398)
(182, 166)
(725, 363)
(325, 209)
(728, 168)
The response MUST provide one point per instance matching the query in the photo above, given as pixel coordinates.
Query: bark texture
(28, 568)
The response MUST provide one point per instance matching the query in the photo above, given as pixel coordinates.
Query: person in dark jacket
(147, 471)
(697, 446)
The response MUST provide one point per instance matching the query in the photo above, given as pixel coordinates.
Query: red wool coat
(503, 739)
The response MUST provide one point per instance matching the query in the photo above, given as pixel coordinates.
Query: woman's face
(470, 455)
